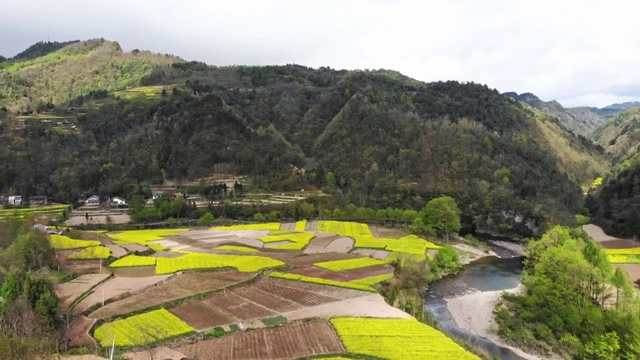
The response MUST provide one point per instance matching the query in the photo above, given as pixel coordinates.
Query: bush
(445, 261)
(206, 219)
(582, 219)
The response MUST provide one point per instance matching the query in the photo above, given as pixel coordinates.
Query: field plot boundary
(89, 291)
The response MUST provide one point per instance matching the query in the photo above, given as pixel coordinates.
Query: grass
(61, 242)
(373, 279)
(314, 280)
(91, 253)
(236, 248)
(397, 339)
(143, 329)
(134, 261)
(263, 226)
(349, 264)
(193, 261)
(299, 240)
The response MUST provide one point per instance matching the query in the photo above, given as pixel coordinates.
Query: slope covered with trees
(574, 304)
(388, 140)
(54, 73)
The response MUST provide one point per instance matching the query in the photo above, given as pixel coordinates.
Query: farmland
(178, 287)
(142, 329)
(623, 256)
(349, 264)
(94, 252)
(314, 280)
(25, 213)
(236, 248)
(192, 261)
(297, 240)
(290, 341)
(134, 260)
(210, 280)
(61, 242)
(393, 339)
(265, 226)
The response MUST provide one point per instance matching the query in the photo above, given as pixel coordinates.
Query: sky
(580, 53)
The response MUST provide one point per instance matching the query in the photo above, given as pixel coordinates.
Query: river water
(487, 274)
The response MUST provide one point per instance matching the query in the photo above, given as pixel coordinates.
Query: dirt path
(598, 234)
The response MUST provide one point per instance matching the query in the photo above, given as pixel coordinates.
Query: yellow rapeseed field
(397, 339)
(142, 329)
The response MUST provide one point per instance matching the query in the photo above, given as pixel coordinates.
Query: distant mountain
(622, 106)
(581, 120)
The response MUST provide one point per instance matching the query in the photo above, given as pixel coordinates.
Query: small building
(157, 194)
(118, 201)
(15, 200)
(39, 200)
(92, 200)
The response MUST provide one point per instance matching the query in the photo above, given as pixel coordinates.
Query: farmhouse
(15, 200)
(93, 200)
(118, 201)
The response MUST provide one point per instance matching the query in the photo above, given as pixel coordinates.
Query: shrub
(206, 219)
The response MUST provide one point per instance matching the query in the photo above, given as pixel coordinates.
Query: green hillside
(46, 75)
(388, 140)
(620, 136)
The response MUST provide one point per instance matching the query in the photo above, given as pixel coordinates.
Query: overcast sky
(577, 52)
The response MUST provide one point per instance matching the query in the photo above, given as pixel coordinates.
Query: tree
(443, 214)
(330, 181)
(206, 219)
(619, 279)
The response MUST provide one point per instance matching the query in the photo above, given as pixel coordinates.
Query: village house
(92, 200)
(118, 201)
(15, 200)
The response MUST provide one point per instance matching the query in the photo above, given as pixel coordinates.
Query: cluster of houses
(18, 200)
(94, 200)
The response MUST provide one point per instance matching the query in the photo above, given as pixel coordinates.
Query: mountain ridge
(388, 140)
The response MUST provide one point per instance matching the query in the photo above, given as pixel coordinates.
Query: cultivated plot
(290, 341)
(178, 287)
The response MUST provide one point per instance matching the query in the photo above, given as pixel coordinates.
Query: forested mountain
(388, 140)
(48, 74)
(616, 205)
(581, 120)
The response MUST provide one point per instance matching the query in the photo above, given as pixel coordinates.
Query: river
(487, 274)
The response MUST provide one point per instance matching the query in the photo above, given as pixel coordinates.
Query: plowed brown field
(201, 316)
(178, 287)
(344, 275)
(290, 341)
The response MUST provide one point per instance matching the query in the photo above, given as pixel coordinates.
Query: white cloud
(577, 52)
